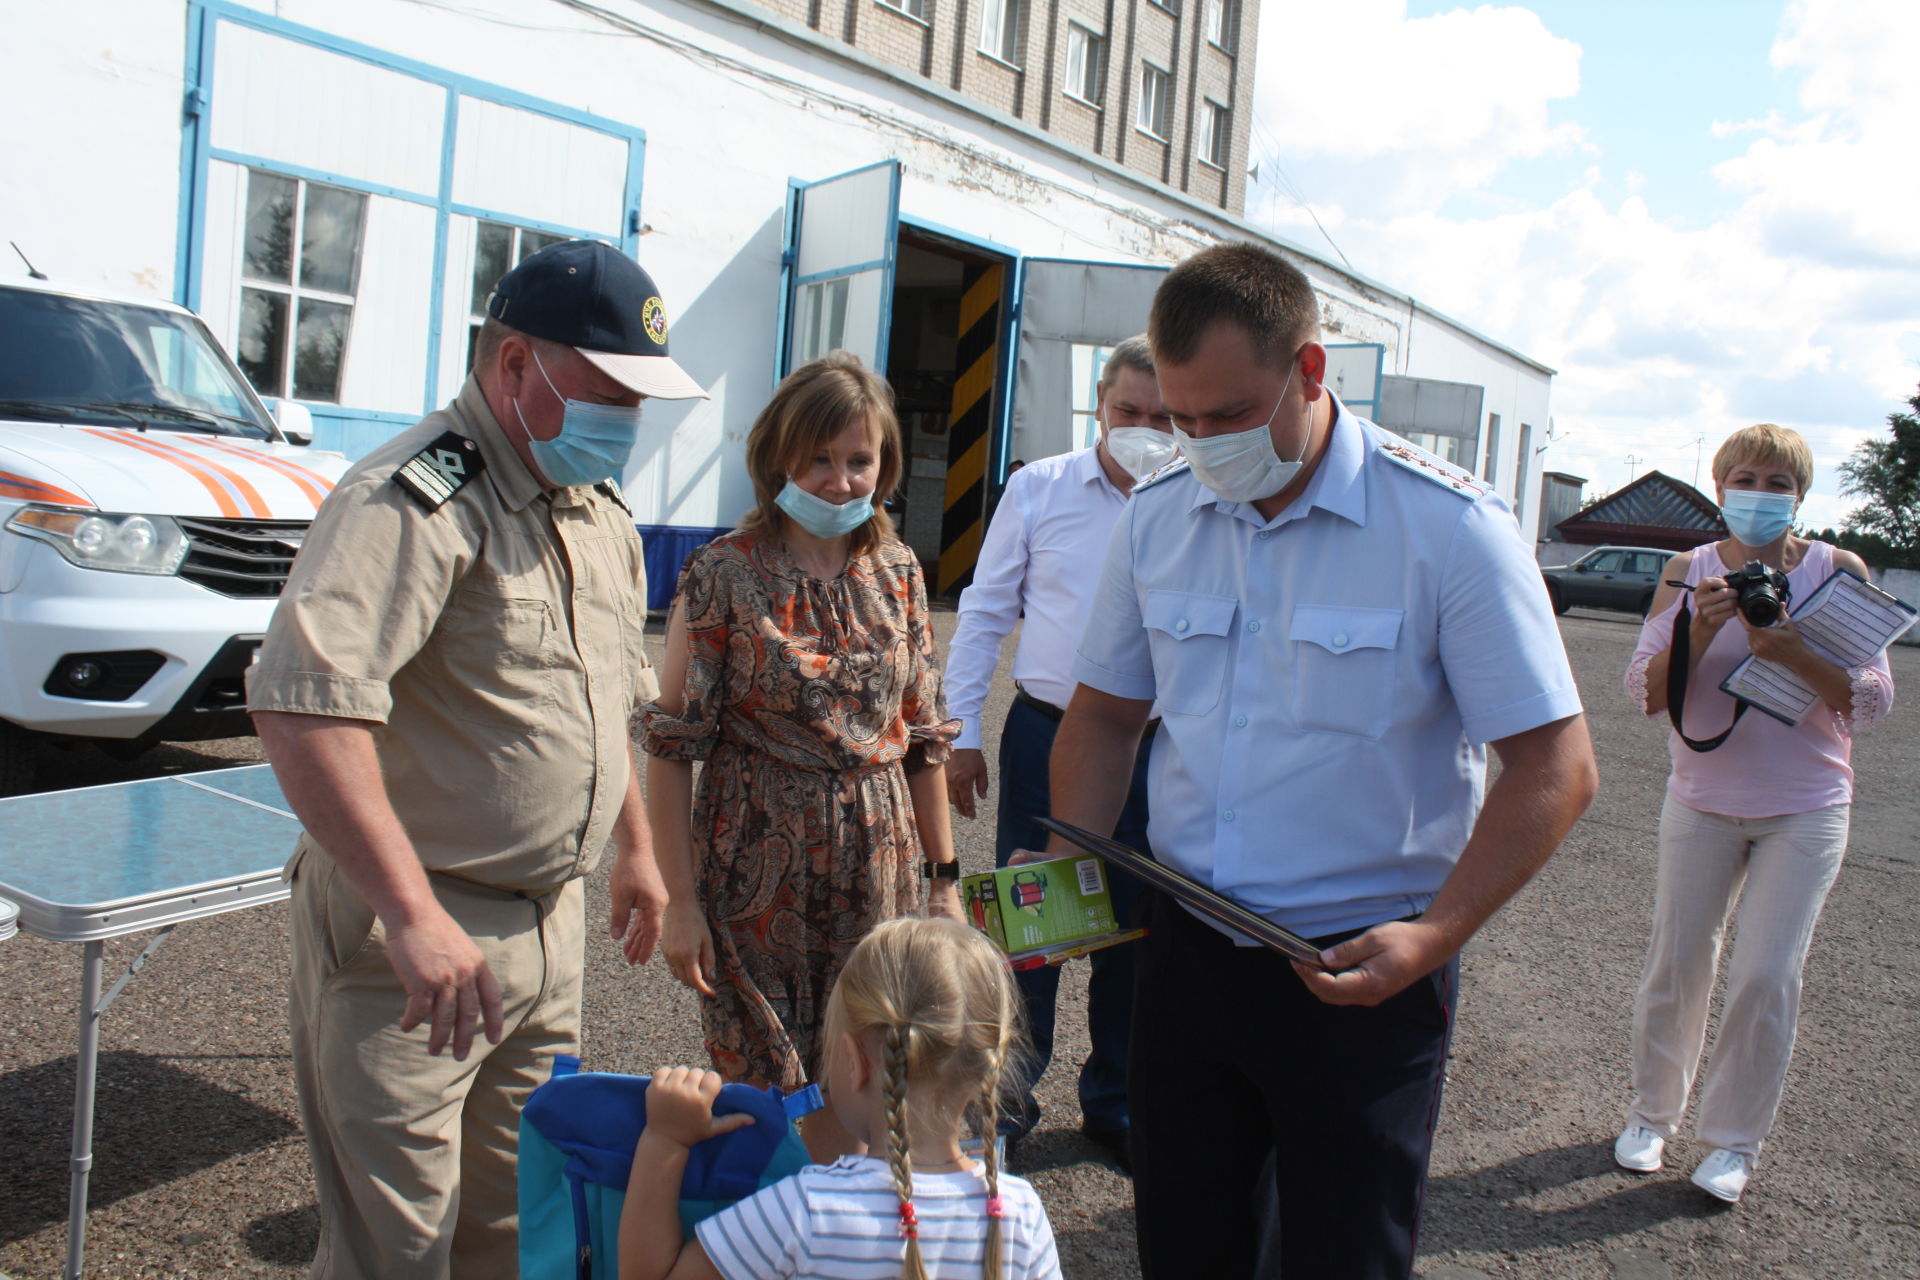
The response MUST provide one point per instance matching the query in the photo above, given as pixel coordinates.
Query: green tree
(1887, 474)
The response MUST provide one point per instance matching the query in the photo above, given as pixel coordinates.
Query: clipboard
(1195, 895)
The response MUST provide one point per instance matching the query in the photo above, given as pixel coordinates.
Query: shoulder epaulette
(1177, 467)
(610, 489)
(1439, 471)
(442, 469)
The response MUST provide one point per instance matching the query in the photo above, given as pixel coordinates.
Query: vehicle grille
(245, 558)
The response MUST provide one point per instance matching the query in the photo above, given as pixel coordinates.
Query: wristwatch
(941, 870)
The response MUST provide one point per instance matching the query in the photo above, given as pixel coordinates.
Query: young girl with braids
(920, 1029)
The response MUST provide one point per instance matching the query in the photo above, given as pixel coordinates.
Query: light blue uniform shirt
(1326, 680)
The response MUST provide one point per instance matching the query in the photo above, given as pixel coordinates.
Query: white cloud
(1801, 305)
(1469, 93)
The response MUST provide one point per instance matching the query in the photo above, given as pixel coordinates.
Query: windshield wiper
(207, 419)
(62, 410)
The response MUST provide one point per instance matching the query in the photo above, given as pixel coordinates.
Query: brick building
(1164, 89)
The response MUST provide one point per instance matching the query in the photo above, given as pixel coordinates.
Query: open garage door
(837, 271)
(1070, 314)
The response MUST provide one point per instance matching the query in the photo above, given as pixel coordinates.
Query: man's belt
(1054, 713)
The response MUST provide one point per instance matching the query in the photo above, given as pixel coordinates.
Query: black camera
(1762, 592)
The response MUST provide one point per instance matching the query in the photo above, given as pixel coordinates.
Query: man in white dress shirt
(1048, 535)
(1332, 626)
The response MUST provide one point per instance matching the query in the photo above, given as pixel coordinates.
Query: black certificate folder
(1192, 893)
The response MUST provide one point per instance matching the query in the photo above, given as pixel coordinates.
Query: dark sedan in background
(1608, 578)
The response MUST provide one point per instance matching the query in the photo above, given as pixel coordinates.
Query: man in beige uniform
(445, 693)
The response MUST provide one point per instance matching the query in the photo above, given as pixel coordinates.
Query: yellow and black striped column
(970, 429)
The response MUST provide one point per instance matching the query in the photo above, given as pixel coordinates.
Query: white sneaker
(1724, 1174)
(1639, 1148)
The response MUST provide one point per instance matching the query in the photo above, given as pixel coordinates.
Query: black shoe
(1113, 1140)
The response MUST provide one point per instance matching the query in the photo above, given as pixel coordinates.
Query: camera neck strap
(1679, 659)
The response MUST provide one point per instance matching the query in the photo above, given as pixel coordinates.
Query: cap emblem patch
(653, 314)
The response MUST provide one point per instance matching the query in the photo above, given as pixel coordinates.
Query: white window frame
(1087, 82)
(295, 293)
(1223, 22)
(1156, 98)
(1216, 138)
(915, 9)
(1000, 23)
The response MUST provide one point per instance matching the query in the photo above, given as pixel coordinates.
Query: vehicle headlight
(101, 540)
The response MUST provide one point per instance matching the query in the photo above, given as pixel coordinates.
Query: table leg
(83, 1077)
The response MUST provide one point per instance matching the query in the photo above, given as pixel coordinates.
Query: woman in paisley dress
(801, 672)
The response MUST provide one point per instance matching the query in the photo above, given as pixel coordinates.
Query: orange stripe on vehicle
(13, 486)
(221, 498)
(248, 494)
(312, 483)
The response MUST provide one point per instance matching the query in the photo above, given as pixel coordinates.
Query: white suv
(150, 509)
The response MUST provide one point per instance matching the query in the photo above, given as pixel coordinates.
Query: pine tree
(1887, 474)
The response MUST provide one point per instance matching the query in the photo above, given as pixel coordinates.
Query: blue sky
(1701, 212)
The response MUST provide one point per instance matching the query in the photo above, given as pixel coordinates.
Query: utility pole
(1633, 468)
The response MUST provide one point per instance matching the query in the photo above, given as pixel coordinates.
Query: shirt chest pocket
(496, 657)
(1344, 669)
(1188, 633)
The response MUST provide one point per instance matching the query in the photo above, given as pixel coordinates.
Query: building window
(912, 8)
(497, 249)
(821, 322)
(1223, 21)
(1086, 362)
(1216, 139)
(1171, 6)
(1156, 95)
(1000, 22)
(1086, 65)
(300, 270)
(1491, 472)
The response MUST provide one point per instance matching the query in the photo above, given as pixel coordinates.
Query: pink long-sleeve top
(1765, 768)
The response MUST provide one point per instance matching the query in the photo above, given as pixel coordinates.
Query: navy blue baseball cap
(595, 299)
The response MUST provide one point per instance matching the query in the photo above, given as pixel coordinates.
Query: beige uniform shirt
(496, 643)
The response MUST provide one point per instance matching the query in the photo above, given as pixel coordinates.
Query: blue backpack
(577, 1134)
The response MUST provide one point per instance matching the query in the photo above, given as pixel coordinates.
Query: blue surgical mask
(821, 518)
(594, 443)
(1757, 518)
(1242, 467)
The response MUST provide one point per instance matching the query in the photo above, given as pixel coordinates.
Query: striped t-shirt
(842, 1222)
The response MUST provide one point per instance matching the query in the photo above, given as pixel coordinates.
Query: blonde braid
(893, 1076)
(990, 1152)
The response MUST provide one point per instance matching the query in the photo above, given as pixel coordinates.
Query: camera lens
(1761, 608)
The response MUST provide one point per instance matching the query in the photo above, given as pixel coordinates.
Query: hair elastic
(909, 1225)
(995, 1207)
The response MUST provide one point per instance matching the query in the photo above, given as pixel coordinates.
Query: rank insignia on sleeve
(440, 470)
(1165, 471)
(1428, 467)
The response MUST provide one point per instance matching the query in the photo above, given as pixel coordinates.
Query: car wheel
(1558, 596)
(19, 758)
(1646, 604)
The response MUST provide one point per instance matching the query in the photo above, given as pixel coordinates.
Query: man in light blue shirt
(1334, 625)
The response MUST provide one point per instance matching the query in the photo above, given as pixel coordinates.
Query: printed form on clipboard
(1847, 621)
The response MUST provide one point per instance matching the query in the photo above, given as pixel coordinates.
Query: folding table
(102, 862)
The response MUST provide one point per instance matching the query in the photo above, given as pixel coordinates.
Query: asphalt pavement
(199, 1168)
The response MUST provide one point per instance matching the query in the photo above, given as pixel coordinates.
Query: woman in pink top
(1768, 807)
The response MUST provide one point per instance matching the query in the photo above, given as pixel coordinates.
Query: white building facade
(334, 184)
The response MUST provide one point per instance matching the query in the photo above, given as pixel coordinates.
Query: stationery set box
(1045, 912)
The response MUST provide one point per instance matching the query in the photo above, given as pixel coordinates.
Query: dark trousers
(1026, 745)
(1258, 1110)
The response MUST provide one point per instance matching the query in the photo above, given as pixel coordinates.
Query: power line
(1270, 158)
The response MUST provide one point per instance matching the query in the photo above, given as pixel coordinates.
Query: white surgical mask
(1141, 451)
(1242, 466)
(594, 443)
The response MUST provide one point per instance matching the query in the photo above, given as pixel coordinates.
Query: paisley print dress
(806, 702)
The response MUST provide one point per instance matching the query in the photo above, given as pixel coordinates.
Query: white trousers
(1787, 865)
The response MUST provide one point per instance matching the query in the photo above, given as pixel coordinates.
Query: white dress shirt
(1042, 554)
(1327, 679)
